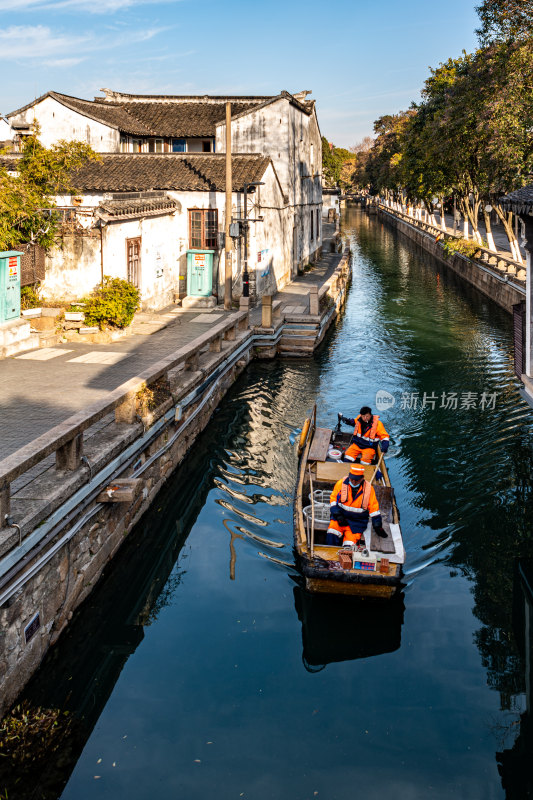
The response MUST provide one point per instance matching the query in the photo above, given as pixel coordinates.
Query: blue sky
(361, 59)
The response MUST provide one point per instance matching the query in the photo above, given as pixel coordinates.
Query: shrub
(29, 297)
(113, 303)
(462, 246)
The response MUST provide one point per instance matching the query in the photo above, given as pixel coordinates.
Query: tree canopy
(504, 21)
(27, 198)
(470, 135)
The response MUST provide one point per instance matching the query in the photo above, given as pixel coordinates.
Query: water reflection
(514, 763)
(191, 645)
(336, 628)
(464, 472)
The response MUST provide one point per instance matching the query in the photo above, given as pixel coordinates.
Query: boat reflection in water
(342, 628)
(514, 764)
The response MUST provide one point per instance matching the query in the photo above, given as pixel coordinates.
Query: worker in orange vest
(368, 432)
(352, 501)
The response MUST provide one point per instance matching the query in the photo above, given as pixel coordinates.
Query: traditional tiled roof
(160, 115)
(128, 208)
(182, 119)
(519, 202)
(126, 172)
(10, 161)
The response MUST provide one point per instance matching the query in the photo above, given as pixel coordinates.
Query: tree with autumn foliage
(504, 21)
(470, 136)
(28, 187)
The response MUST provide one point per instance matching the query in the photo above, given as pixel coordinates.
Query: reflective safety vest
(356, 505)
(372, 436)
(345, 494)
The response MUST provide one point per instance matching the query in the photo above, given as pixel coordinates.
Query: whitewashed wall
(330, 201)
(58, 122)
(73, 269)
(292, 140)
(6, 134)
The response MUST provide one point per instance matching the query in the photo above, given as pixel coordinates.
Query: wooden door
(133, 261)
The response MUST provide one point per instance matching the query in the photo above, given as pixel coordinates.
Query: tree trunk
(442, 218)
(462, 206)
(471, 207)
(488, 228)
(506, 219)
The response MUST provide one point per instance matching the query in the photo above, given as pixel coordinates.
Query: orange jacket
(367, 437)
(355, 505)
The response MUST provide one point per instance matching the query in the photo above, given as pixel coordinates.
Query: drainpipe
(101, 253)
(228, 243)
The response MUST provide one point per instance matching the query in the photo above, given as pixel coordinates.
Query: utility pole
(228, 248)
(245, 275)
(245, 224)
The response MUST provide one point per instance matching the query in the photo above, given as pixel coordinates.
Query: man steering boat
(368, 433)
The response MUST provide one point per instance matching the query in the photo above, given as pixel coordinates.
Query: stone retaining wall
(67, 579)
(503, 290)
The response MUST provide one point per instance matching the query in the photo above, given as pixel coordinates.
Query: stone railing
(332, 288)
(500, 263)
(66, 439)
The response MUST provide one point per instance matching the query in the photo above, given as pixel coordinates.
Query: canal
(199, 668)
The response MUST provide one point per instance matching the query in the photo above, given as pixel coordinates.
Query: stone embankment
(69, 498)
(494, 274)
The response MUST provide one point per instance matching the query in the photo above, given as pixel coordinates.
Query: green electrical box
(200, 273)
(9, 285)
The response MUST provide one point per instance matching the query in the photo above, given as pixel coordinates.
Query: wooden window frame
(206, 242)
(129, 241)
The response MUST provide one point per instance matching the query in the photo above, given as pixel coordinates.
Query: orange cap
(357, 469)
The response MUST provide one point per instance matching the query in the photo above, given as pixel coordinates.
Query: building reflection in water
(514, 764)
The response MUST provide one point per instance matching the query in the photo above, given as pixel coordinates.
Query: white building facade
(282, 130)
(144, 236)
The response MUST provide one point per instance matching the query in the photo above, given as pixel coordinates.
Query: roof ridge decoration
(112, 96)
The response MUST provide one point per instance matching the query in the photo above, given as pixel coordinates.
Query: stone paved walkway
(41, 388)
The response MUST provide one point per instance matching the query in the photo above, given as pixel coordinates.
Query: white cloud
(64, 62)
(93, 6)
(37, 41)
(41, 43)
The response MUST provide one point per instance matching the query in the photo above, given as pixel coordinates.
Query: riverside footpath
(91, 433)
(41, 388)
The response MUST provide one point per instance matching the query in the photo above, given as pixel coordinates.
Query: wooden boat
(375, 569)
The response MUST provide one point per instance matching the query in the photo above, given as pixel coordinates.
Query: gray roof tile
(125, 172)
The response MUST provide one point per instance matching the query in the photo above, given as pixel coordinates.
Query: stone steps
(15, 337)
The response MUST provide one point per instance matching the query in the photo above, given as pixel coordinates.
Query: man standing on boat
(368, 432)
(353, 500)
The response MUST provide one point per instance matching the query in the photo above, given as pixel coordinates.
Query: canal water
(201, 669)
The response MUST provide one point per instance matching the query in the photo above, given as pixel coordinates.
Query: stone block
(126, 412)
(199, 302)
(68, 457)
(266, 311)
(14, 331)
(42, 324)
